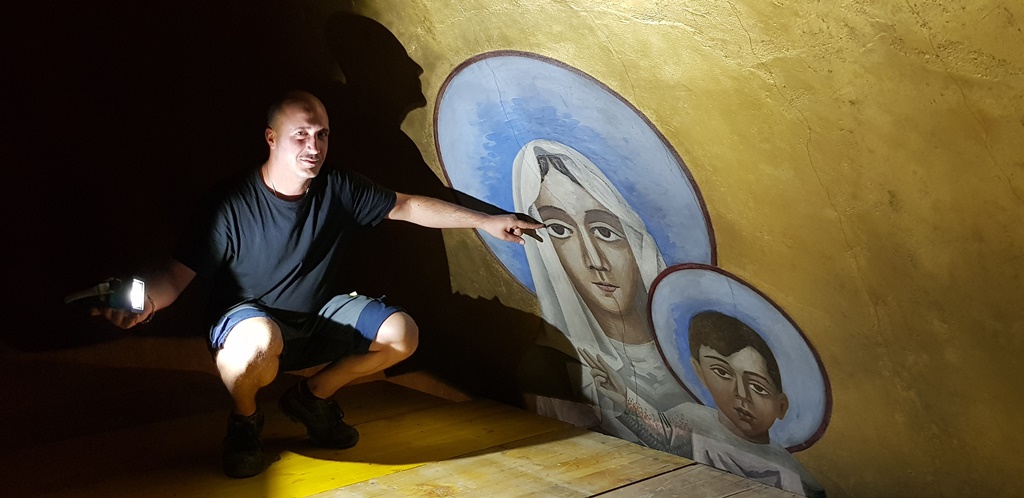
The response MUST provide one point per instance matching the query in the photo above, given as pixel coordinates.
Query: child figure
(735, 364)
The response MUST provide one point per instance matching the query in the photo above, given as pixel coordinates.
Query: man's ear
(783, 405)
(270, 137)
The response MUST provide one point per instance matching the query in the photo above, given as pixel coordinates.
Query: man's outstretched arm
(435, 213)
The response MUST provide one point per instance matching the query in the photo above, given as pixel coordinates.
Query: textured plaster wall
(863, 165)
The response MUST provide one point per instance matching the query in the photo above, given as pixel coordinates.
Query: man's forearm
(163, 287)
(434, 213)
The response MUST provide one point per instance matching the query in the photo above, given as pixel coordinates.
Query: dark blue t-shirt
(284, 254)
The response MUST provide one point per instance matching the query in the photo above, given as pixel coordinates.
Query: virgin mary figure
(592, 277)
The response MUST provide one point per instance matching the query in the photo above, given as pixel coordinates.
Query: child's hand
(609, 383)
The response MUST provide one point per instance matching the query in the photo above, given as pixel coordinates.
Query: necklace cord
(273, 187)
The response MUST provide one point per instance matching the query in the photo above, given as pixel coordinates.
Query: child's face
(744, 392)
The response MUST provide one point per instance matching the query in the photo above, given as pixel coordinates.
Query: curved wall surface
(861, 170)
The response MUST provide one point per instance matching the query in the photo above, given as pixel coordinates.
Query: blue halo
(495, 103)
(682, 291)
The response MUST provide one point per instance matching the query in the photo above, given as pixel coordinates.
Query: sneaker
(243, 448)
(322, 418)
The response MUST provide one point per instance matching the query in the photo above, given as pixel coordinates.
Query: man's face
(298, 139)
(748, 401)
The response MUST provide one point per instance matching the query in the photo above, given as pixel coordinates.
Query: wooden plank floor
(412, 444)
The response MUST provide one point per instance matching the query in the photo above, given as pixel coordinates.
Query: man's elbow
(176, 277)
(402, 209)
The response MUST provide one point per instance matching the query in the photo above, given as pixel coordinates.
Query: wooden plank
(413, 444)
(409, 441)
(568, 462)
(698, 481)
(387, 445)
(189, 445)
(46, 402)
(53, 401)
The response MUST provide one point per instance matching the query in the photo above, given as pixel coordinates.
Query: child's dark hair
(727, 335)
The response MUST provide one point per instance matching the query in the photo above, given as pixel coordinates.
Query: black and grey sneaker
(243, 448)
(322, 418)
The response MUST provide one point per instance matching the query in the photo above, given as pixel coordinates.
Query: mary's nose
(592, 255)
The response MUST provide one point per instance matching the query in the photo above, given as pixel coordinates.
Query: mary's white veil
(560, 304)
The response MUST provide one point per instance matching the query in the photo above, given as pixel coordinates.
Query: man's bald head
(305, 101)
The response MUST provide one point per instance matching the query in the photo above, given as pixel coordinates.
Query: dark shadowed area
(120, 117)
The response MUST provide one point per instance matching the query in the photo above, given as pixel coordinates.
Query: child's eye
(759, 389)
(721, 372)
(604, 232)
(558, 230)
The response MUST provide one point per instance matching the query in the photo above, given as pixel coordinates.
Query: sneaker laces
(329, 411)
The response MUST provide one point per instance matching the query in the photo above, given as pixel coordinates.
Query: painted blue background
(682, 293)
(492, 107)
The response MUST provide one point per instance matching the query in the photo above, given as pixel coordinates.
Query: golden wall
(862, 164)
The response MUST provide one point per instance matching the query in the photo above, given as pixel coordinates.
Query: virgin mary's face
(591, 245)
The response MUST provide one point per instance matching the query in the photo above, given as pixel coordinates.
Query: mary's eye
(559, 230)
(604, 232)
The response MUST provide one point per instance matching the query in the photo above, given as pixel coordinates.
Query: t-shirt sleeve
(368, 202)
(205, 244)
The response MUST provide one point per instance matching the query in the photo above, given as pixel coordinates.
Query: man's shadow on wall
(473, 344)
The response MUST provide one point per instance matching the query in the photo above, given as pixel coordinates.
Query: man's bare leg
(396, 340)
(249, 360)
(309, 401)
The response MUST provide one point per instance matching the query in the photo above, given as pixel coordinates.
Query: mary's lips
(605, 286)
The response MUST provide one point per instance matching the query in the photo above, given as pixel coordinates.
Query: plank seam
(641, 480)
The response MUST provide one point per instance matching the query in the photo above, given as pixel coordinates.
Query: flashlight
(113, 293)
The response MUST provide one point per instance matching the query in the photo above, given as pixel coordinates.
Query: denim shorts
(346, 325)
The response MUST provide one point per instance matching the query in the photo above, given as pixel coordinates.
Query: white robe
(693, 431)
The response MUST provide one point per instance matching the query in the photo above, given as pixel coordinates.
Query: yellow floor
(412, 444)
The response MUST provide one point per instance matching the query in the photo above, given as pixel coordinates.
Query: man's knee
(399, 333)
(252, 341)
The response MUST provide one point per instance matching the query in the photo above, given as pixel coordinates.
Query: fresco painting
(624, 274)
(494, 104)
(760, 390)
(591, 276)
